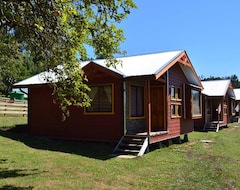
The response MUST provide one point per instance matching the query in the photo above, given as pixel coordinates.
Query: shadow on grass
(13, 173)
(6, 173)
(95, 150)
(10, 187)
(3, 160)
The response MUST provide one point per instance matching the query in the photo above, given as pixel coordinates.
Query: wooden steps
(235, 119)
(213, 126)
(131, 145)
(210, 127)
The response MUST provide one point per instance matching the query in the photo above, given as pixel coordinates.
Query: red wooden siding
(176, 126)
(45, 116)
(179, 125)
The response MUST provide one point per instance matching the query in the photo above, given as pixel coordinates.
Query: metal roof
(217, 88)
(237, 93)
(142, 65)
(36, 79)
(131, 66)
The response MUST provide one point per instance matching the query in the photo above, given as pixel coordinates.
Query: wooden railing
(13, 107)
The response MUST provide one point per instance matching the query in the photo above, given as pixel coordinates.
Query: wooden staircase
(213, 126)
(132, 145)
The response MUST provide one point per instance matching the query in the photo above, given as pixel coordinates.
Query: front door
(158, 108)
(212, 110)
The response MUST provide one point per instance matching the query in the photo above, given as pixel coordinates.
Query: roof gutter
(21, 90)
(142, 77)
(195, 86)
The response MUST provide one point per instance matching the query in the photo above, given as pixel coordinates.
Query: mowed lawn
(38, 163)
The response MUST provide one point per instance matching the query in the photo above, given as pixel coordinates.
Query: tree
(16, 64)
(10, 59)
(56, 32)
(234, 79)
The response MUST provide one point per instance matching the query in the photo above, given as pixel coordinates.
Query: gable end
(93, 70)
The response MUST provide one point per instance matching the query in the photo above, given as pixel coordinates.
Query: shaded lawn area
(37, 163)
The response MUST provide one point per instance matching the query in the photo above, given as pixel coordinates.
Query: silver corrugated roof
(237, 93)
(36, 79)
(142, 65)
(131, 66)
(216, 87)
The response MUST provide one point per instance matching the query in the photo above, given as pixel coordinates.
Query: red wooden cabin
(218, 105)
(153, 96)
(236, 116)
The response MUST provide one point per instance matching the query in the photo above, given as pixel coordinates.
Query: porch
(235, 119)
(139, 144)
(214, 126)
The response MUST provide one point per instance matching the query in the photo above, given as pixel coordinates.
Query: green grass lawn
(12, 121)
(36, 163)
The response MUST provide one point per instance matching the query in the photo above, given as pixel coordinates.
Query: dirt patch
(206, 141)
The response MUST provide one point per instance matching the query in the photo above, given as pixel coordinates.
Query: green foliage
(73, 81)
(15, 64)
(56, 32)
(9, 56)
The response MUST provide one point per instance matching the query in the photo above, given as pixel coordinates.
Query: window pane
(137, 101)
(196, 102)
(173, 92)
(101, 99)
(179, 93)
(173, 110)
(179, 110)
(225, 109)
(133, 101)
(140, 101)
(176, 93)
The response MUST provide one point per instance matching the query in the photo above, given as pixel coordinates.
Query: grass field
(12, 121)
(36, 163)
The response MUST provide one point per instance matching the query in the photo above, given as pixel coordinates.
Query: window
(209, 105)
(136, 101)
(176, 110)
(176, 93)
(176, 102)
(225, 107)
(196, 103)
(233, 105)
(102, 99)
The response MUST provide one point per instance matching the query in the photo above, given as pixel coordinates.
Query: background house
(236, 118)
(217, 103)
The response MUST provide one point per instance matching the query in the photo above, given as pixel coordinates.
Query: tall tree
(56, 32)
(234, 79)
(15, 63)
(11, 59)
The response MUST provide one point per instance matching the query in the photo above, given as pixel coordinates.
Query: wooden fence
(13, 107)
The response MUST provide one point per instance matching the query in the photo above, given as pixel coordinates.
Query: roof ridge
(216, 80)
(144, 54)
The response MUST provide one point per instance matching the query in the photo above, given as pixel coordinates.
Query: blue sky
(209, 31)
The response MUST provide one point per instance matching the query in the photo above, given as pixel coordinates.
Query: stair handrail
(218, 126)
(119, 142)
(144, 146)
